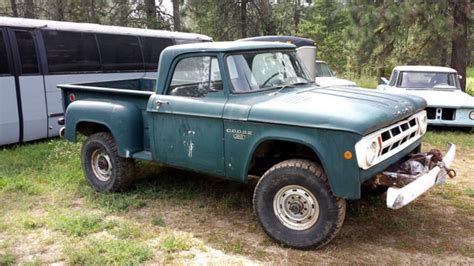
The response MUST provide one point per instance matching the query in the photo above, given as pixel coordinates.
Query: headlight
(423, 120)
(372, 151)
(471, 115)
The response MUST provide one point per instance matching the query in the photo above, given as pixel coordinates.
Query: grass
(80, 225)
(168, 214)
(470, 81)
(104, 252)
(175, 244)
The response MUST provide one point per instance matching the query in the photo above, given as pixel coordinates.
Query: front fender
(124, 120)
(328, 145)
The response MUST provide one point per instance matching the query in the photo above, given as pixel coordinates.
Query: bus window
(152, 48)
(120, 52)
(71, 51)
(4, 69)
(27, 50)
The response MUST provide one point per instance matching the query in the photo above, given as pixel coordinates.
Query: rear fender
(124, 120)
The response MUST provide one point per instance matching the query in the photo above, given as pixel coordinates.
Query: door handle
(158, 103)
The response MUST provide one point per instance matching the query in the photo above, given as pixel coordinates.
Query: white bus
(36, 55)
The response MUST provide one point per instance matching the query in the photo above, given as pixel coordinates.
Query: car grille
(434, 113)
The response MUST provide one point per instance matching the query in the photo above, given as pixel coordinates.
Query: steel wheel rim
(101, 165)
(296, 207)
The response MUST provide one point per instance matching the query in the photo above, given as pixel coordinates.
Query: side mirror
(383, 81)
(459, 76)
(334, 73)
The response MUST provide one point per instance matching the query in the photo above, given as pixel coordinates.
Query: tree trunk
(14, 8)
(150, 9)
(29, 9)
(243, 18)
(176, 16)
(297, 14)
(59, 12)
(461, 11)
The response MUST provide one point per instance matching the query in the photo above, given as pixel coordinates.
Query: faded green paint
(199, 133)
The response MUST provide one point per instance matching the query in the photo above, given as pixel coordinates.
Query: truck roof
(425, 69)
(227, 47)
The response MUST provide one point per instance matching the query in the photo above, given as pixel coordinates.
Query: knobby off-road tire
(298, 190)
(105, 170)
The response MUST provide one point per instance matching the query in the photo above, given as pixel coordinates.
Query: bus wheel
(105, 170)
(295, 206)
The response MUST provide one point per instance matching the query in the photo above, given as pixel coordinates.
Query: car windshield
(323, 70)
(256, 71)
(428, 80)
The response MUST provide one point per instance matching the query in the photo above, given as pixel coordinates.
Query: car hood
(361, 111)
(444, 98)
(333, 81)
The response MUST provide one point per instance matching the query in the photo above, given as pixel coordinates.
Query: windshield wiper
(292, 85)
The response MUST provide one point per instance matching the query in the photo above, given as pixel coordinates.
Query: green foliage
(326, 22)
(102, 252)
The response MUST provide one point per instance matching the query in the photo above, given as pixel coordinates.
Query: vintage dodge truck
(240, 109)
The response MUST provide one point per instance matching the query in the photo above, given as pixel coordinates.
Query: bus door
(9, 116)
(30, 83)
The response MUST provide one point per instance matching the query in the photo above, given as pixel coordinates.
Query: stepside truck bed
(122, 96)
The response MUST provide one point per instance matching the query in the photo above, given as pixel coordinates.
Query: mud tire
(121, 172)
(311, 177)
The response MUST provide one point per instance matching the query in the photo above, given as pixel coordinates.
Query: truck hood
(361, 111)
(333, 81)
(444, 98)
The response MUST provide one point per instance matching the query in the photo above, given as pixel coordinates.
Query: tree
(176, 15)
(14, 8)
(459, 57)
(326, 23)
(29, 9)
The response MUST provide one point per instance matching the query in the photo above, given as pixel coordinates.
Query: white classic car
(326, 77)
(439, 86)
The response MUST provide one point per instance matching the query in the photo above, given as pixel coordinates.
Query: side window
(195, 77)
(152, 48)
(4, 69)
(27, 49)
(71, 51)
(393, 78)
(120, 52)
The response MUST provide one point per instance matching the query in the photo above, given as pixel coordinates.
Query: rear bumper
(399, 197)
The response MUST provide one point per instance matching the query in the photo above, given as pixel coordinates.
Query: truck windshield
(428, 80)
(256, 71)
(323, 70)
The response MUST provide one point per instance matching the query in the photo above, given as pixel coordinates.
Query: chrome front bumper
(399, 197)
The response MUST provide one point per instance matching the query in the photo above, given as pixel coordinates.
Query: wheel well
(271, 152)
(89, 128)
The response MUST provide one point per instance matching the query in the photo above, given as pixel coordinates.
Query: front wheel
(295, 206)
(105, 170)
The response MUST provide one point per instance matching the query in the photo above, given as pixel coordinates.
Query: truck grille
(398, 135)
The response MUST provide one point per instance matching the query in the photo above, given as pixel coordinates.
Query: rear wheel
(105, 170)
(295, 206)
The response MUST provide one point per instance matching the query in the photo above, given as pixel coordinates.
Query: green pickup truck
(240, 109)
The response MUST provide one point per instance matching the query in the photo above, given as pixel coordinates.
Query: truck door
(187, 121)
(9, 117)
(29, 82)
